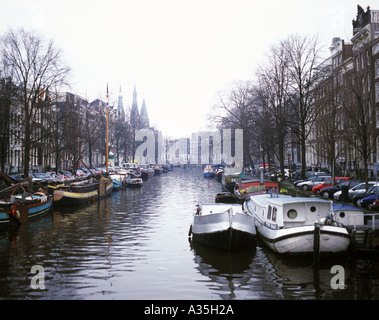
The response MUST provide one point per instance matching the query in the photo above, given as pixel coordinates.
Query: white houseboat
(289, 225)
(223, 225)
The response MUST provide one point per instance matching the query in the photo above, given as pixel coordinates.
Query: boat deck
(211, 208)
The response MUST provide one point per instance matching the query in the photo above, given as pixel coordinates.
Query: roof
(285, 199)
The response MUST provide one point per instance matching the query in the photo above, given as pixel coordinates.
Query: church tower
(144, 118)
(134, 113)
(120, 107)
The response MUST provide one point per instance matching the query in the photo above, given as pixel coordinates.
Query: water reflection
(228, 271)
(134, 245)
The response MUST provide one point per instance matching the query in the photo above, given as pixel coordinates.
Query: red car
(374, 206)
(328, 183)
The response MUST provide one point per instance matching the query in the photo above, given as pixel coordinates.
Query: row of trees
(277, 103)
(281, 106)
(33, 76)
(30, 67)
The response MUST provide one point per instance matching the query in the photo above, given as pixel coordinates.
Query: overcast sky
(179, 54)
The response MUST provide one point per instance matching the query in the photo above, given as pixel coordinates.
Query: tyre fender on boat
(15, 212)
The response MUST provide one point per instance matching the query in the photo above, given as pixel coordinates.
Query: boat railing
(373, 220)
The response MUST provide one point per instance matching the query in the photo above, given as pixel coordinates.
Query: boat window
(292, 214)
(274, 211)
(269, 212)
(342, 214)
(313, 209)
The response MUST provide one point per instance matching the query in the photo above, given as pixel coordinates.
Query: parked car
(374, 206)
(328, 183)
(311, 177)
(368, 201)
(278, 174)
(80, 173)
(58, 178)
(358, 197)
(41, 178)
(328, 192)
(356, 190)
(309, 184)
(96, 171)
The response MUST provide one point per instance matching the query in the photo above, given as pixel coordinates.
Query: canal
(134, 245)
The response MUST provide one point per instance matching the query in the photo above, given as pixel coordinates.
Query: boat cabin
(287, 212)
(213, 208)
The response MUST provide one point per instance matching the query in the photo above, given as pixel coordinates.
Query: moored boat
(117, 184)
(208, 172)
(132, 181)
(82, 192)
(222, 225)
(225, 197)
(157, 169)
(246, 188)
(23, 207)
(230, 177)
(146, 172)
(289, 225)
(119, 179)
(218, 174)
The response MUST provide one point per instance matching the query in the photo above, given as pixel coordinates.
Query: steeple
(134, 114)
(120, 107)
(144, 118)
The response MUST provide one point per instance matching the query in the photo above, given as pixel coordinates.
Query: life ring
(15, 212)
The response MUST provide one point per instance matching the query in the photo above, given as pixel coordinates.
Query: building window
(377, 92)
(368, 82)
(375, 48)
(367, 57)
(377, 68)
(362, 61)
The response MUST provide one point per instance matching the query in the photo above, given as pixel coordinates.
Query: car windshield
(374, 189)
(320, 178)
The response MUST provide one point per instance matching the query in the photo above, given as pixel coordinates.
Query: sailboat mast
(106, 144)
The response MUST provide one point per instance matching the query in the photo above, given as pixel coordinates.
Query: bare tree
(263, 123)
(330, 135)
(302, 56)
(357, 103)
(37, 65)
(6, 95)
(233, 111)
(273, 80)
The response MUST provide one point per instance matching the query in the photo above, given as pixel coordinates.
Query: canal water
(134, 245)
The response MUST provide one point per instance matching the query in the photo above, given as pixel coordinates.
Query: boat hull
(26, 211)
(88, 195)
(224, 230)
(208, 175)
(332, 239)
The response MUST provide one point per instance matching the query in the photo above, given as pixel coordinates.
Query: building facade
(345, 135)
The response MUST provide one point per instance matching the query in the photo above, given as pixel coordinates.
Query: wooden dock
(365, 238)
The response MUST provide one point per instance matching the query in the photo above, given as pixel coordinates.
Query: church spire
(134, 114)
(144, 118)
(120, 107)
